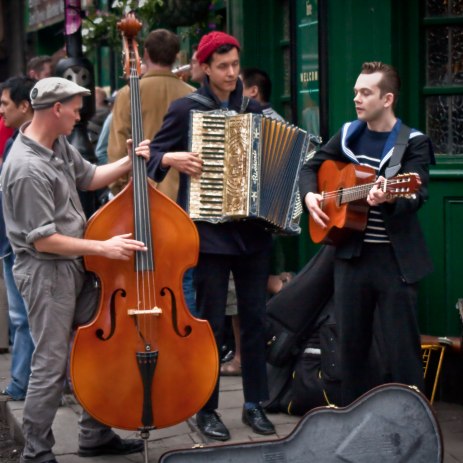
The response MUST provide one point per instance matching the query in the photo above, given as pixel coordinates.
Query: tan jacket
(157, 91)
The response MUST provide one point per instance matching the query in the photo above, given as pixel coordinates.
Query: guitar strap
(398, 152)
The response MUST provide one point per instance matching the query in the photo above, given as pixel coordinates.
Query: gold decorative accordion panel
(251, 166)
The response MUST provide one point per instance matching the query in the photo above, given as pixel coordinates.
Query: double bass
(143, 362)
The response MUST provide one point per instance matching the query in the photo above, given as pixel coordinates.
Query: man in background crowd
(16, 109)
(257, 85)
(158, 88)
(39, 67)
(196, 72)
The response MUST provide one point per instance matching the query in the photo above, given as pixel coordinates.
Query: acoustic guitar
(345, 187)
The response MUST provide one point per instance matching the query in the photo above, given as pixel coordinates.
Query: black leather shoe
(116, 446)
(51, 461)
(210, 424)
(256, 418)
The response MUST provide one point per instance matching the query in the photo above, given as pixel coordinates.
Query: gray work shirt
(40, 195)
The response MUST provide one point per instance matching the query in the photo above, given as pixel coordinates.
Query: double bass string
(133, 79)
(144, 262)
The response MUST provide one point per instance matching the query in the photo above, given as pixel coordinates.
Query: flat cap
(48, 91)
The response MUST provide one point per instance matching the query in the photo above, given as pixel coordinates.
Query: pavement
(186, 435)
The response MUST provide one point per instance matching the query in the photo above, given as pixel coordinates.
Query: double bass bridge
(154, 311)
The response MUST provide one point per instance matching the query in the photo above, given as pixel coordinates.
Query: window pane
(444, 7)
(444, 55)
(437, 55)
(457, 7)
(444, 123)
(437, 7)
(457, 55)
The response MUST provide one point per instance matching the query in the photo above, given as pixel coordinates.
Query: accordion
(251, 166)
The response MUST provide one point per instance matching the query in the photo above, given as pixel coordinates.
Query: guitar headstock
(403, 185)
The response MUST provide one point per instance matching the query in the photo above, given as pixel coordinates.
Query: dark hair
(19, 87)
(389, 83)
(221, 51)
(254, 76)
(162, 47)
(38, 62)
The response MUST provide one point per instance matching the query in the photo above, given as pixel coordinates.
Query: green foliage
(100, 27)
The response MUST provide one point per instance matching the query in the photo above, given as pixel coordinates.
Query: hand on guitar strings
(314, 201)
(378, 194)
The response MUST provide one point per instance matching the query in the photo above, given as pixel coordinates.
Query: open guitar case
(391, 423)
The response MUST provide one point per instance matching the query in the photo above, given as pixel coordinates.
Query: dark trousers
(363, 285)
(250, 273)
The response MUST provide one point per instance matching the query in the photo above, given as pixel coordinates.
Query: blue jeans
(189, 291)
(23, 346)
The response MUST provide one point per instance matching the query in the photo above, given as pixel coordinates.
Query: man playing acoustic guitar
(377, 268)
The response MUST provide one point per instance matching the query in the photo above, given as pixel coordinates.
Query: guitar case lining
(391, 423)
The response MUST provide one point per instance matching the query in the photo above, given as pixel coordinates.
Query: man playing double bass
(242, 248)
(45, 225)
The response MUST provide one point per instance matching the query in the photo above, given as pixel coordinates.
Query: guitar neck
(355, 193)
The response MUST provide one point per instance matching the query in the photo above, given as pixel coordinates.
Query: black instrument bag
(294, 311)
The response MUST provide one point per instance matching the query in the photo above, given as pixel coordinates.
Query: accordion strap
(211, 104)
(204, 100)
(244, 104)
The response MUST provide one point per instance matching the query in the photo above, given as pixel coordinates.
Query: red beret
(210, 42)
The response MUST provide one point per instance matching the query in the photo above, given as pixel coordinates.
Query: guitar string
(362, 188)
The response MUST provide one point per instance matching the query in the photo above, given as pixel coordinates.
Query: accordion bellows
(251, 166)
